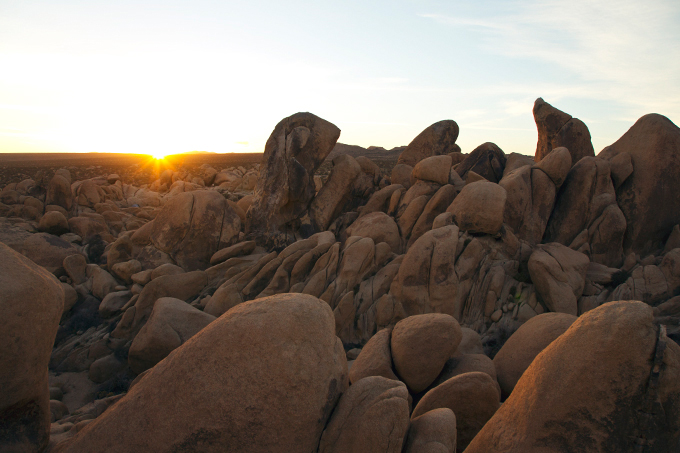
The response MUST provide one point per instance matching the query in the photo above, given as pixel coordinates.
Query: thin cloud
(466, 22)
(626, 51)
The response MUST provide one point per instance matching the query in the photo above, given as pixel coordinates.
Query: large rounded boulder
(264, 377)
(649, 197)
(473, 398)
(437, 139)
(421, 345)
(525, 344)
(371, 417)
(479, 207)
(31, 304)
(378, 226)
(609, 383)
(171, 324)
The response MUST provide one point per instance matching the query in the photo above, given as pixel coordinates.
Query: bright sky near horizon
(169, 76)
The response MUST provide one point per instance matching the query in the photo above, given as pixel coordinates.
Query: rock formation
(295, 149)
(31, 303)
(344, 301)
(439, 138)
(558, 129)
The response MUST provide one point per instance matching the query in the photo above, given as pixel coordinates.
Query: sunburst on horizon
(159, 155)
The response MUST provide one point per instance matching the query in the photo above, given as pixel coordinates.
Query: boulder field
(320, 302)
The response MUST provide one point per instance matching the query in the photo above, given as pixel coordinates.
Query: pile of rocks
(268, 310)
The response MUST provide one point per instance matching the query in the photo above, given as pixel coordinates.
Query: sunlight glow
(159, 155)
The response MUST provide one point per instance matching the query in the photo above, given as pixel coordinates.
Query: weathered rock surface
(556, 129)
(525, 344)
(53, 222)
(294, 150)
(336, 193)
(479, 207)
(417, 287)
(558, 273)
(180, 286)
(619, 349)
(437, 139)
(586, 205)
(466, 363)
(238, 249)
(31, 304)
(433, 432)
(292, 336)
(421, 345)
(59, 192)
(487, 161)
(435, 206)
(434, 168)
(531, 193)
(47, 250)
(375, 358)
(653, 144)
(473, 397)
(372, 416)
(171, 323)
(401, 174)
(378, 226)
(192, 226)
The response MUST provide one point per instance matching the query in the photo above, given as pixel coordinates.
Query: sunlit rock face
(556, 128)
(439, 138)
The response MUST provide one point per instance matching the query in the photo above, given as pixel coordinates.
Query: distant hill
(372, 152)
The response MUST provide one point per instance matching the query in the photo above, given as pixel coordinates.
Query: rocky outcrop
(47, 250)
(473, 398)
(295, 149)
(586, 216)
(192, 226)
(378, 226)
(630, 399)
(437, 139)
(525, 344)
(282, 355)
(31, 304)
(180, 286)
(171, 323)
(421, 345)
(479, 208)
(416, 287)
(649, 207)
(559, 275)
(335, 193)
(434, 169)
(434, 431)
(375, 358)
(59, 192)
(401, 174)
(487, 161)
(531, 192)
(556, 129)
(372, 416)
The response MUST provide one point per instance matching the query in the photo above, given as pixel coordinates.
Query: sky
(163, 77)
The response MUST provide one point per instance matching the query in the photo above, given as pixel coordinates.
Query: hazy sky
(170, 76)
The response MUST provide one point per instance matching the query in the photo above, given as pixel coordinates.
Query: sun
(160, 155)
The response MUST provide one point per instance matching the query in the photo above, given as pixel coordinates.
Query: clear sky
(170, 76)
